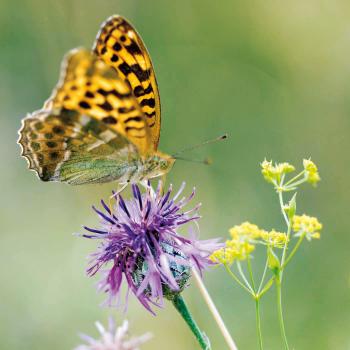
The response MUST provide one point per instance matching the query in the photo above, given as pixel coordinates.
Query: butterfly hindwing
(88, 86)
(121, 47)
(64, 145)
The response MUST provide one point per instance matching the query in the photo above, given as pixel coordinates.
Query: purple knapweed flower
(141, 243)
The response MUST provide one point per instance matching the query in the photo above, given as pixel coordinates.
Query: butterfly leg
(115, 195)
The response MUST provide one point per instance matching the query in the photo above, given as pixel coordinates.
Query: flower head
(244, 238)
(115, 338)
(311, 169)
(274, 238)
(307, 225)
(273, 173)
(141, 243)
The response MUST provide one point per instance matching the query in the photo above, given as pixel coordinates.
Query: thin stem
(280, 312)
(237, 280)
(251, 273)
(267, 286)
(280, 197)
(182, 308)
(231, 344)
(263, 277)
(293, 185)
(258, 323)
(294, 178)
(257, 304)
(296, 247)
(289, 227)
(244, 278)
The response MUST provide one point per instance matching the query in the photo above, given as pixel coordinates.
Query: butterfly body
(102, 121)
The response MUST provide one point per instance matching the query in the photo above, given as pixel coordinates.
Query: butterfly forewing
(121, 47)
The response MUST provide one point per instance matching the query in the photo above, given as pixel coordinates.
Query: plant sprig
(279, 247)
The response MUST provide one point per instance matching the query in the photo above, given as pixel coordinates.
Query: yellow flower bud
(311, 169)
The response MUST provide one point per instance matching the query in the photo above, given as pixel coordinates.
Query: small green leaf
(272, 260)
(292, 207)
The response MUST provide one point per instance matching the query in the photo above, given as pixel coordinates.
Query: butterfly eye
(164, 164)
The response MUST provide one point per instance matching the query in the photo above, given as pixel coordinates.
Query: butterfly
(102, 121)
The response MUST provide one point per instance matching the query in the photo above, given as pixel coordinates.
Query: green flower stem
(244, 278)
(237, 280)
(289, 228)
(182, 308)
(280, 311)
(267, 286)
(263, 277)
(296, 247)
(280, 197)
(302, 173)
(258, 323)
(251, 276)
(257, 305)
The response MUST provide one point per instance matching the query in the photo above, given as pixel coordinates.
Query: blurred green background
(274, 75)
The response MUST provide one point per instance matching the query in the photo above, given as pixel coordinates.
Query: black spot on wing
(51, 144)
(140, 91)
(117, 47)
(124, 110)
(33, 135)
(84, 104)
(38, 125)
(114, 58)
(58, 130)
(141, 74)
(110, 120)
(89, 94)
(125, 68)
(106, 38)
(133, 49)
(113, 92)
(106, 106)
(150, 102)
(133, 119)
(35, 146)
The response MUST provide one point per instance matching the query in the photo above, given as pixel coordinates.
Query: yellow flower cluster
(274, 238)
(245, 232)
(244, 237)
(308, 225)
(273, 173)
(233, 250)
(310, 167)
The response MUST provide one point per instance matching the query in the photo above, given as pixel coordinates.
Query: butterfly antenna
(191, 148)
(206, 161)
